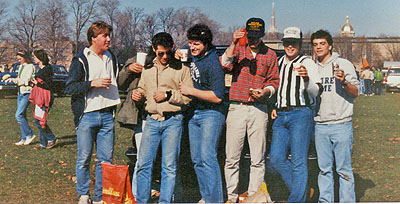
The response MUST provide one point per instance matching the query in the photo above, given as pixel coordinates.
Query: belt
(168, 115)
(108, 109)
(244, 103)
(285, 109)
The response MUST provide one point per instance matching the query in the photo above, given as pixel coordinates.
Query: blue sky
(368, 17)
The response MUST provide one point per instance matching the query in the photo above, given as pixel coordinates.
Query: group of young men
(308, 97)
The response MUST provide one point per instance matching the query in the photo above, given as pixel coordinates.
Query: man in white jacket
(333, 130)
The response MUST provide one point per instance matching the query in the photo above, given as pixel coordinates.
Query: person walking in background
(206, 112)
(93, 86)
(366, 75)
(333, 130)
(378, 81)
(255, 79)
(42, 97)
(159, 86)
(23, 81)
(298, 88)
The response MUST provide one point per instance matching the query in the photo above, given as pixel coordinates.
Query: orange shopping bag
(116, 184)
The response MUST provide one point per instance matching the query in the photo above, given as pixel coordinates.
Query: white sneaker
(98, 202)
(19, 143)
(84, 199)
(29, 140)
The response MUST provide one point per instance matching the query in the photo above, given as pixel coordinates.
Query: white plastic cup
(141, 58)
(185, 53)
(296, 67)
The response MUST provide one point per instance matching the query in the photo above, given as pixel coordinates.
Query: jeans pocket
(178, 117)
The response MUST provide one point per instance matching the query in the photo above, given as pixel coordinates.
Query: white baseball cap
(292, 33)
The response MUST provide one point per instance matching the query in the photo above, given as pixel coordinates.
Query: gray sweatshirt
(335, 106)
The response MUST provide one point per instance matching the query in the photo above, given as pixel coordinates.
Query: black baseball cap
(255, 28)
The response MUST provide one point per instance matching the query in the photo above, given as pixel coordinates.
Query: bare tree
(393, 49)
(3, 17)
(84, 11)
(148, 28)
(165, 15)
(54, 30)
(126, 32)
(24, 26)
(110, 9)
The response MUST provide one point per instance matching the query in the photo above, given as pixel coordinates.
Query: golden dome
(347, 29)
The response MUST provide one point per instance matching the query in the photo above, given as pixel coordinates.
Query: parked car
(8, 89)
(392, 79)
(59, 78)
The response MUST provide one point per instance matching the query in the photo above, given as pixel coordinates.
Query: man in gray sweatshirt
(334, 130)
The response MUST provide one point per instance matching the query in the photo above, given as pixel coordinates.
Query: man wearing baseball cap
(299, 86)
(255, 79)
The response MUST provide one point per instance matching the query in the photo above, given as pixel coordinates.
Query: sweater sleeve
(76, 83)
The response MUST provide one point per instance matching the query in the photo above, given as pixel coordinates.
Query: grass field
(46, 176)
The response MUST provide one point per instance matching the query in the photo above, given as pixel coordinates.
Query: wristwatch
(345, 83)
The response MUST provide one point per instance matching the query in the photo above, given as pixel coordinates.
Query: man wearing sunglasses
(159, 87)
(255, 79)
(298, 88)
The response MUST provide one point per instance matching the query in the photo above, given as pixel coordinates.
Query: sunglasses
(290, 42)
(161, 54)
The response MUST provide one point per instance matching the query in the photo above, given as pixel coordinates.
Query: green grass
(45, 176)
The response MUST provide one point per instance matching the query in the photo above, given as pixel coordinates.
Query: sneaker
(84, 199)
(29, 140)
(97, 202)
(51, 144)
(312, 155)
(201, 201)
(39, 147)
(19, 143)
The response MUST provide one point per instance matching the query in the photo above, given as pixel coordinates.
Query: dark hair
(322, 34)
(27, 57)
(97, 28)
(42, 56)
(201, 33)
(162, 39)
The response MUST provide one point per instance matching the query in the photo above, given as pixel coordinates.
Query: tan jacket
(164, 78)
(25, 75)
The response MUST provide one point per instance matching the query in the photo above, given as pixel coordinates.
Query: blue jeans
(362, 86)
(20, 115)
(292, 130)
(205, 129)
(138, 129)
(169, 133)
(94, 127)
(368, 86)
(334, 142)
(46, 135)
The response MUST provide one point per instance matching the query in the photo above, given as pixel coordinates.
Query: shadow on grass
(66, 140)
(361, 186)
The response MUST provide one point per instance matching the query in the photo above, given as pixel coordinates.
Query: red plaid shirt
(267, 72)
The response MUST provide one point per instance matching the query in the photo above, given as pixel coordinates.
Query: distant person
(159, 87)
(378, 81)
(366, 75)
(44, 98)
(334, 130)
(298, 88)
(93, 86)
(24, 83)
(206, 111)
(255, 79)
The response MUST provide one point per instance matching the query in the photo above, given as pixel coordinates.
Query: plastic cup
(243, 40)
(141, 58)
(296, 67)
(185, 53)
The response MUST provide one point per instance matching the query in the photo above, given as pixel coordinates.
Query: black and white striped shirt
(292, 89)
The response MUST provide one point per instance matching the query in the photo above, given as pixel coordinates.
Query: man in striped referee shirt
(298, 88)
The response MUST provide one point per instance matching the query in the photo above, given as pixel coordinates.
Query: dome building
(347, 30)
